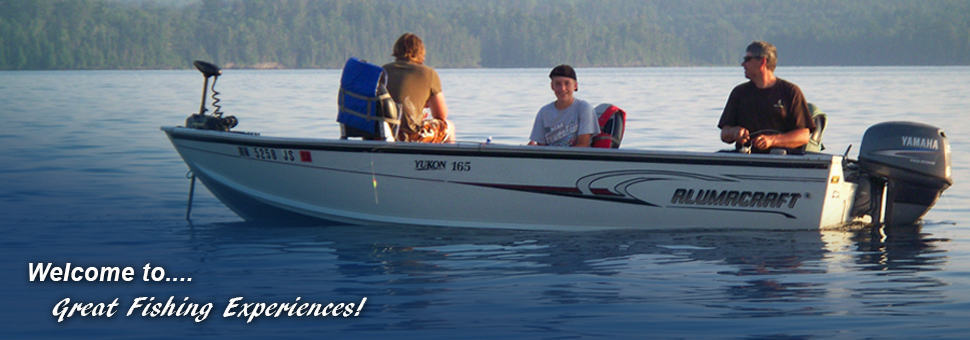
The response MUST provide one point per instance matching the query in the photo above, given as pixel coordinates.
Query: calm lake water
(87, 178)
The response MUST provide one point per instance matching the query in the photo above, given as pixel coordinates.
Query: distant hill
(162, 34)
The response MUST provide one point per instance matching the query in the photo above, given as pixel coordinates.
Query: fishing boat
(902, 169)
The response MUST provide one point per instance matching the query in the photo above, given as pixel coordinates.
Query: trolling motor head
(207, 69)
(215, 121)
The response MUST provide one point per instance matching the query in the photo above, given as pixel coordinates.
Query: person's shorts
(433, 131)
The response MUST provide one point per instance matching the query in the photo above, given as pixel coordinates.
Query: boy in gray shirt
(568, 121)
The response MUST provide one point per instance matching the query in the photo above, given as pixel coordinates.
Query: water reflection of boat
(902, 170)
(606, 252)
(741, 273)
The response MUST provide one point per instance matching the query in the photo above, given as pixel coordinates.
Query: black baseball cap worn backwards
(564, 71)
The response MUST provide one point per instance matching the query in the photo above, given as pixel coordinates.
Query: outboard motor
(908, 167)
(215, 121)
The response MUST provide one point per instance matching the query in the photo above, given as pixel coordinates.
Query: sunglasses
(749, 57)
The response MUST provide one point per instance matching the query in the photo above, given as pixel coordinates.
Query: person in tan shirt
(415, 86)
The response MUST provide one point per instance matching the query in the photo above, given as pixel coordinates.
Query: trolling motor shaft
(208, 70)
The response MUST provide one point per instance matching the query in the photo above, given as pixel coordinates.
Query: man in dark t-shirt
(769, 112)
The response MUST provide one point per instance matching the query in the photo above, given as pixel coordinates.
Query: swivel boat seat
(815, 139)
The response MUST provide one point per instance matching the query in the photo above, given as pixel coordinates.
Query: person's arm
(583, 141)
(588, 126)
(732, 134)
(439, 109)
(790, 140)
(537, 130)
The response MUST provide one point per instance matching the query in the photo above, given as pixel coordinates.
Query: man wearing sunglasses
(766, 112)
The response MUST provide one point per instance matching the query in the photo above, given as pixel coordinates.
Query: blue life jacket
(363, 102)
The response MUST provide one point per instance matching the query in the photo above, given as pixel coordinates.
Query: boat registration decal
(270, 154)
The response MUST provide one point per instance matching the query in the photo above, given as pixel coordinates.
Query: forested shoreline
(113, 34)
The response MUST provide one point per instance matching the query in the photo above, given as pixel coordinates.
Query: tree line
(146, 34)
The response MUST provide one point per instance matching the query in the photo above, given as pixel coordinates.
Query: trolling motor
(201, 121)
(215, 121)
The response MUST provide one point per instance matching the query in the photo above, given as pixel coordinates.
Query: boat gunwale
(807, 161)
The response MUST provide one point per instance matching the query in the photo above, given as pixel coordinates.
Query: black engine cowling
(911, 163)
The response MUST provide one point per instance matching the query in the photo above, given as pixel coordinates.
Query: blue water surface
(87, 178)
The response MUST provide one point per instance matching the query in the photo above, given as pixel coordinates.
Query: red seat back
(612, 122)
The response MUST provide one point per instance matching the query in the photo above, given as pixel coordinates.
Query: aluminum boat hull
(517, 187)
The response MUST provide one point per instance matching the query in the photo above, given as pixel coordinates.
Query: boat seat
(815, 139)
(612, 122)
(365, 109)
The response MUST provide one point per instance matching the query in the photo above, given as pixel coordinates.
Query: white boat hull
(519, 187)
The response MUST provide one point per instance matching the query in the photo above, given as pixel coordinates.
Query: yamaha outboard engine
(215, 121)
(908, 166)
